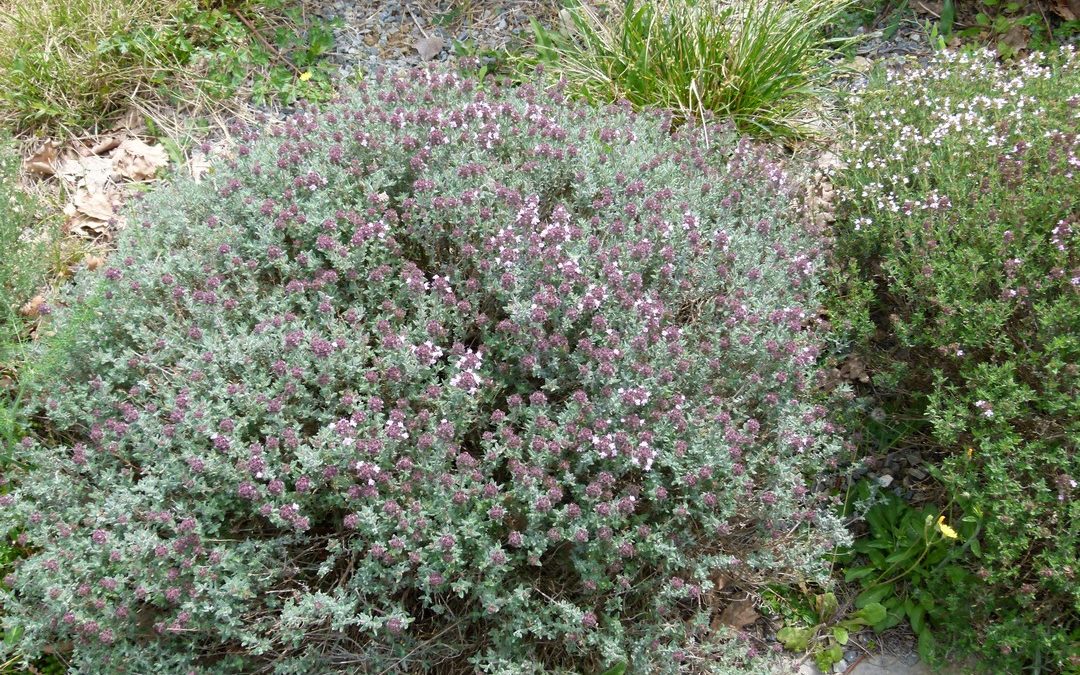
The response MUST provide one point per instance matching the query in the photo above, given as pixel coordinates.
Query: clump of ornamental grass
(762, 63)
(435, 379)
(67, 65)
(961, 290)
(52, 65)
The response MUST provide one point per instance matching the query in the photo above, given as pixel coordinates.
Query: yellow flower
(305, 76)
(945, 529)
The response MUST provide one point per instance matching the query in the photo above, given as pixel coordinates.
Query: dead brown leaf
(1017, 37)
(93, 262)
(86, 228)
(138, 161)
(96, 205)
(930, 7)
(738, 614)
(43, 161)
(1067, 9)
(199, 166)
(854, 369)
(104, 145)
(133, 122)
(719, 581)
(33, 307)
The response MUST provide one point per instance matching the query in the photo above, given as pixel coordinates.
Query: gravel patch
(397, 34)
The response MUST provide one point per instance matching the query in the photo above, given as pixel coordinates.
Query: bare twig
(259, 36)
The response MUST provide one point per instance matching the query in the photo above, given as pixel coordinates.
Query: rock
(885, 481)
(429, 47)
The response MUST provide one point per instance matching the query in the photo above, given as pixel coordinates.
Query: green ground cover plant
(71, 64)
(436, 377)
(897, 562)
(826, 629)
(762, 63)
(22, 272)
(960, 288)
(19, 264)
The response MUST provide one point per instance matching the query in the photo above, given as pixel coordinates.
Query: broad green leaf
(873, 594)
(872, 613)
(617, 669)
(891, 619)
(840, 635)
(858, 573)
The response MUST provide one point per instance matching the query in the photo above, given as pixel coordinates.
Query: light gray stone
(429, 47)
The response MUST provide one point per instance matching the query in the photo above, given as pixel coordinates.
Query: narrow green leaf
(926, 645)
(948, 17)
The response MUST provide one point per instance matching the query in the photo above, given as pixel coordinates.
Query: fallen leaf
(828, 161)
(33, 307)
(1067, 9)
(95, 205)
(43, 161)
(1017, 37)
(719, 581)
(855, 370)
(739, 614)
(133, 122)
(104, 145)
(138, 161)
(93, 262)
(429, 47)
(934, 7)
(199, 166)
(86, 228)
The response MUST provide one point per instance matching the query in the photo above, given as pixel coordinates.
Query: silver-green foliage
(434, 377)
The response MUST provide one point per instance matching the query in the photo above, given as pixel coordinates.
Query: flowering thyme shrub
(436, 377)
(962, 198)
